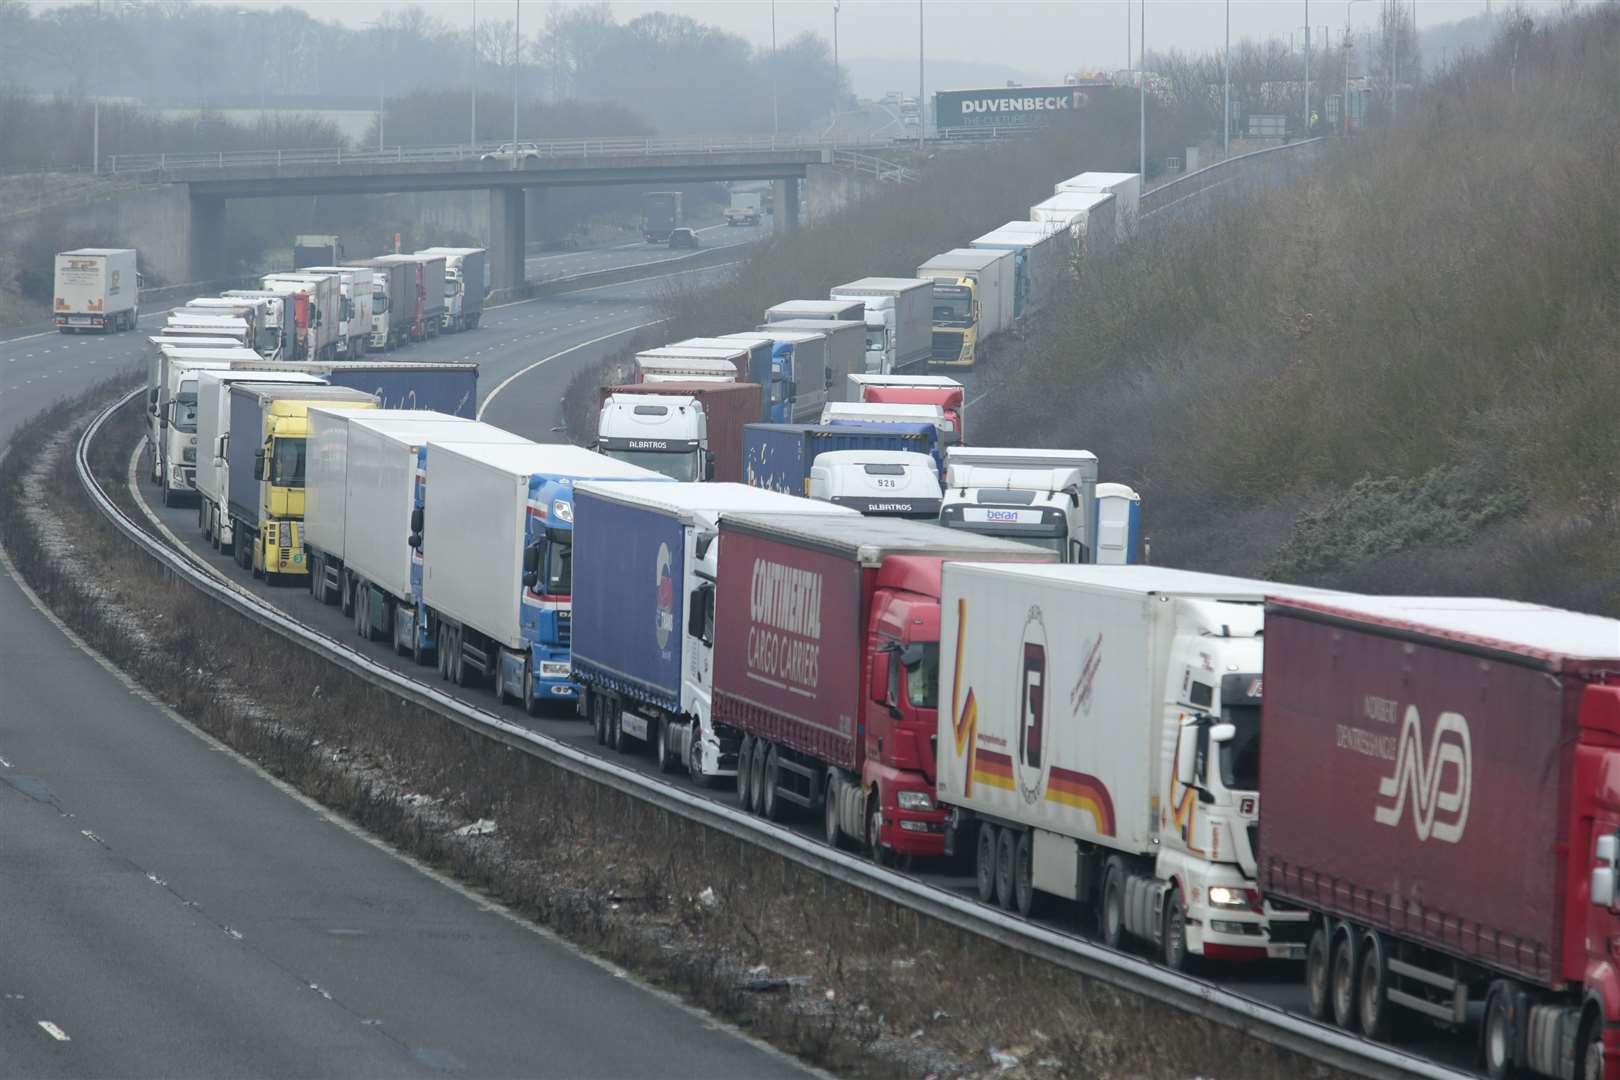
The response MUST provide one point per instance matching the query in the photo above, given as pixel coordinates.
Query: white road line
(504, 383)
(54, 1032)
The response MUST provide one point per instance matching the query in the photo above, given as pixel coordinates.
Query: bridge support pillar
(535, 213)
(790, 204)
(205, 238)
(506, 239)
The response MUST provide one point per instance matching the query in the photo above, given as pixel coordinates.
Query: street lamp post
(776, 115)
(922, 117)
(517, 62)
(472, 130)
(1226, 86)
(1349, 51)
(1307, 115)
(835, 59)
(95, 103)
(1141, 96)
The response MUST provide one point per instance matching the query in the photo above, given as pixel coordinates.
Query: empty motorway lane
(170, 911)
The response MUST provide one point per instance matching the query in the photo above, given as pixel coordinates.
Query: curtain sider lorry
(1440, 794)
(213, 435)
(826, 647)
(644, 628)
(1098, 741)
(499, 597)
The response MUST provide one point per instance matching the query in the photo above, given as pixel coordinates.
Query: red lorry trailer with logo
(1440, 784)
(827, 661)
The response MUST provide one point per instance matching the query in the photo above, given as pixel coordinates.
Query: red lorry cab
(827, 664)
(1441, 788)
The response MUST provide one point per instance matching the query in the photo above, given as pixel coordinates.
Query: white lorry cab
(878, 483)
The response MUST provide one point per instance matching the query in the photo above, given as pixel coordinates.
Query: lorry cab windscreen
(683, 466)
(379, 302)
(185, 410)
(287, 463)
(1240, 755)
(779, 390)
(952, 310)
(922, 675)
(267, 340)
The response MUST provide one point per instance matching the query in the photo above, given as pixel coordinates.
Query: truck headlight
(916, 800)
(553, 669)
(1226, 896)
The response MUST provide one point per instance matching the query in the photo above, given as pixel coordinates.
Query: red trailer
(1441, 790)
(827, 666)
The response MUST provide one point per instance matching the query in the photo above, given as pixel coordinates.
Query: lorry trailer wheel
(756, 777)
(770, 807)
(1498, 1041)
(1112, 917)
(1592, 1058)
(984, 863)
(1346, 974)
(1006, 856)
(1318, 973)
(830, 831)
(616, 736)
(874, 832)
(1026, 899)
(665, 762)
(1175, 930)
(599, 717)
(1373, 1000)
(745, 769)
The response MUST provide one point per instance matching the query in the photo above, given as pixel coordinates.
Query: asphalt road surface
(636, 252)
(170, 911)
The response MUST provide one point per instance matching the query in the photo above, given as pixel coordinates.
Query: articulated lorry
(898, 313)
(394, 307)
(941, 390)
(281, 318)
(853, 310)
(96, 289)
(826, 650)
(259, 312)
(644, 625)
(1099, 742)
(661, 214)
(213, 439)
(208, 324)
(266, 450)
(779, 375)
(1126, 188)
(418, 306)
(356, 290)
(1438, 783)
(465, 286)
(1043, 256)
(499, 598)
(844, 355)
(973, 301)
(685, 430)
(878, 483)
(1088, 216)
(808, 360)
(1042, 497)
(172, 412)
(744, 209)
(319, 322)
(359, 494)
(780, 457)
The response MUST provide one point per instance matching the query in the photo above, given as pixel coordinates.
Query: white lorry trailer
(356, 292)
(1126, 188)
(213, 439)
(96, 289)
(662, 696)
(465, 286)
(1089, 216)
(846, 356)
(172, 415)
(1042, 497)
(899, 321)
(318, 331)
(1111, 756)
(359, 492)
(258, 311)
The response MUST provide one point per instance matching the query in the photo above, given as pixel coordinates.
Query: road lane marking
(54, 1032)
(504, 383)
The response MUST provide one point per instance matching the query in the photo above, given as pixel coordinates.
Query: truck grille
(565, 628)
(947, 346)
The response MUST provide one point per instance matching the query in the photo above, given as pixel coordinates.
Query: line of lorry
(942, 665)
(1100, 735)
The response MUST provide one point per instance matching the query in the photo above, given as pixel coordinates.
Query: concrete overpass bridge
(201, 184)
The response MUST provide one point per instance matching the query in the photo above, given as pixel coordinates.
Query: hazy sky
(1045, 38)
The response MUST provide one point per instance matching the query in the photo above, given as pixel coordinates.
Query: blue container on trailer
(446, 388)
(778, 457)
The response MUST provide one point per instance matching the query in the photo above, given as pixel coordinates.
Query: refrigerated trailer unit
(1438, 778)
(95, 289)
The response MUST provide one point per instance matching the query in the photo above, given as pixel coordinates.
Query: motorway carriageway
(171, 911)
(565, 263)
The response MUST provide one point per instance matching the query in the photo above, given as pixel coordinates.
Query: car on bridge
(522, 152)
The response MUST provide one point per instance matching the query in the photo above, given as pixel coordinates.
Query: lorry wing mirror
(878, 677)
(1186, 759)
(258, 464)
(531, 564)
(1603, 875)
(1222, 733)
(414, 540)
(416, 520)
(694, 613)
(708, 464)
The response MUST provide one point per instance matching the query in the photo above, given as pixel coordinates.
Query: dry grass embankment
(1399, 374)
(855, 984)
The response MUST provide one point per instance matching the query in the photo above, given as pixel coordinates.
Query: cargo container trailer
(95, 289)
(1126, 188)
(899, 321)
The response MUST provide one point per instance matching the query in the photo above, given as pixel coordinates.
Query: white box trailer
(995, 276)
(172, 416)
(1099, 730)
(320, 334)
(1042, 258)
(213, 432)
(96, 289)
(1126, 188)
(899, 321)
(846, 354)
(1089, 216)
(356, 288)
(359, 491)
